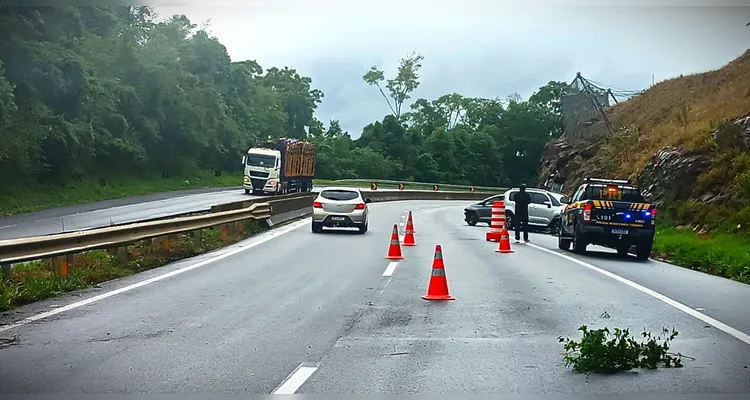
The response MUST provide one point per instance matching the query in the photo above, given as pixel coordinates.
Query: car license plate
(617, 231)
(337, 218)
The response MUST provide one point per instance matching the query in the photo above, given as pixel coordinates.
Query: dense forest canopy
(94, 91)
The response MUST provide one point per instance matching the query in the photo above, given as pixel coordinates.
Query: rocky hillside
(686, 141)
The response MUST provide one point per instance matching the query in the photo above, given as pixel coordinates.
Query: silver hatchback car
(340, 207)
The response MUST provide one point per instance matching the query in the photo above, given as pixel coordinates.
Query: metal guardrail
(34, 248)
(273, 211)
(410, 183)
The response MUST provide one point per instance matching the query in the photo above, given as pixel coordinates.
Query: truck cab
(262, 171)
(610, 213)
(279, 166)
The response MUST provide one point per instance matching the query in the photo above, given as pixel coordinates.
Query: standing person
(521, 218)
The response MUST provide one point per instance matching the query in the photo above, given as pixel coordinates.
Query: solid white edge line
(674, 303)
(272, 234)
(391, 268)
(297, 378)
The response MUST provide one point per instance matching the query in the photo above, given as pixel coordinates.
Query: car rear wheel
(317, 227)
(247, 191)
(471, 218)
(362, 229)
(508, 221)
(554, 226)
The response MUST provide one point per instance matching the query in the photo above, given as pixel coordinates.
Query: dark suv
(610, 213)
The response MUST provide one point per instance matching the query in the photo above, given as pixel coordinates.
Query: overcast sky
(478, 48)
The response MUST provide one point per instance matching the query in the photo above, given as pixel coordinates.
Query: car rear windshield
(623, 193)
(340, 195)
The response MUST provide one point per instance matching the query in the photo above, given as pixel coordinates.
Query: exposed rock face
(564, 165)
(671, 175)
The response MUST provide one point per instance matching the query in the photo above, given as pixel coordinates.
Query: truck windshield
(261, 160)
(623, 193)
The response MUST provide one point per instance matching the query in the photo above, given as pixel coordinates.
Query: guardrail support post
(5, 270)
(198, 238)
(122, 254)
(167, 241)
(62, 265)
(224, 231)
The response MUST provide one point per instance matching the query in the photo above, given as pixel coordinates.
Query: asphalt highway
(118, 211)
(290, 311)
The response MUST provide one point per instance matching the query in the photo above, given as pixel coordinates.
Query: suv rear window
(624, 193)
(340, 195)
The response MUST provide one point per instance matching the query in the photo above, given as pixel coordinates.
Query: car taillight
(317, 204)
(360, 206)
(587, 212)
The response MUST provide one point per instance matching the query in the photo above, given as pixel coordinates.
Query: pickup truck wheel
(622, 250)
(471, 218)
(643, 250)
(579, 242)
(563, 243)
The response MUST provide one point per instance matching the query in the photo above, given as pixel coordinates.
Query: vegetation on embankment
(38, 280)
(680, 112)
(37, 196)
(705, 223)
(695, 114)
(718, 254)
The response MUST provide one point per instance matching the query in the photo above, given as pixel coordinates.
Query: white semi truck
(279, 166)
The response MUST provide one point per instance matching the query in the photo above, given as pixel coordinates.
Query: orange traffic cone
(409, 237)
(410, 221)
(438, 289)
(504, 246)
(394, 250)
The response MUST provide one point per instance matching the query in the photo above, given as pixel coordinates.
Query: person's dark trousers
(521, 222)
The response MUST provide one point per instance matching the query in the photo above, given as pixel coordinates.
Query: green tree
(400, 87)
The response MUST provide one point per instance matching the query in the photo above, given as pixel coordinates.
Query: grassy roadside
(718, 254)
(35, 197)
(37, 280)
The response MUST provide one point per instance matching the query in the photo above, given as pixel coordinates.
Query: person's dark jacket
(522, 199)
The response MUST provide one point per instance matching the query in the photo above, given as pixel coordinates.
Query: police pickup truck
(609, 213)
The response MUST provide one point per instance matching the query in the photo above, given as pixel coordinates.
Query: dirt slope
(676, 120)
